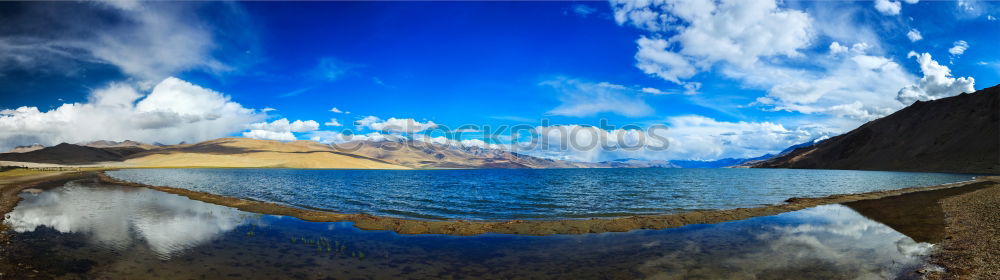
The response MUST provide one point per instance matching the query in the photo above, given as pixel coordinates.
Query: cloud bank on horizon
(727, 78)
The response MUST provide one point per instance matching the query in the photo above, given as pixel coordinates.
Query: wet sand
(971, 247)
(534, 227)
(919, 215)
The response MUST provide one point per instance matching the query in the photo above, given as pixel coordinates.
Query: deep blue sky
(466, 62)
(759, 75)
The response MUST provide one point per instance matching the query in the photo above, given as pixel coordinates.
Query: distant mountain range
(638, 163)
(417, 154)
(954, 134)
(726, 162)
(737, 162)
(122, 144)
(243, 152)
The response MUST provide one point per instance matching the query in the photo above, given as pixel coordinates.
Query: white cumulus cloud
(837, 48)
(332, 122)
(914, 35)
(280, 129)
(173, 111)
(395, 125)
(888, 7)
(852, 84)
(959, 47)
(270, 135)
(706, 32)
(762, 45)
(937, 82)
(654, 58)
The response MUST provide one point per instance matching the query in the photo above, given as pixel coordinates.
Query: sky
(694, 80)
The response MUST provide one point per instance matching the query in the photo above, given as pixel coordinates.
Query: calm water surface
(493, 194)
(86, 230)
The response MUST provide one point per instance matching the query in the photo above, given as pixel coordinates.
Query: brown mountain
(65, 154)
(954, 134)
(243, 152)
(417, 154)
(25, 149)
(122, 144)
(124, 148)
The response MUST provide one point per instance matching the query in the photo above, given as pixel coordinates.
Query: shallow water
(88, 230)
(495, 194)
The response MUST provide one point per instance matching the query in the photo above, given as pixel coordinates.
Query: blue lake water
(495, 194)
(89, 230)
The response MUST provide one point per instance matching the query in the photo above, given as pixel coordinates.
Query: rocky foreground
(971, 249)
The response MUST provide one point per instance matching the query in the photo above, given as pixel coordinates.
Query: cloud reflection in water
(830, 241)
(118, 217)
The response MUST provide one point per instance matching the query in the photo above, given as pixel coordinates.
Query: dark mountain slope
(954, 134)
(65, 154)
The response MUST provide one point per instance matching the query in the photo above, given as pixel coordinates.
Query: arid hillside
(428, 155)
(66, 154)
(954, 134)
(243, 152)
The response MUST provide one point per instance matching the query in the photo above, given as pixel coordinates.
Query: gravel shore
(971, 248)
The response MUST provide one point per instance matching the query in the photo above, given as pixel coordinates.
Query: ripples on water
(493, 194)
(91, 231)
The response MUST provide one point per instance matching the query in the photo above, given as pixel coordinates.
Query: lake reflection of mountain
(99, 231)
